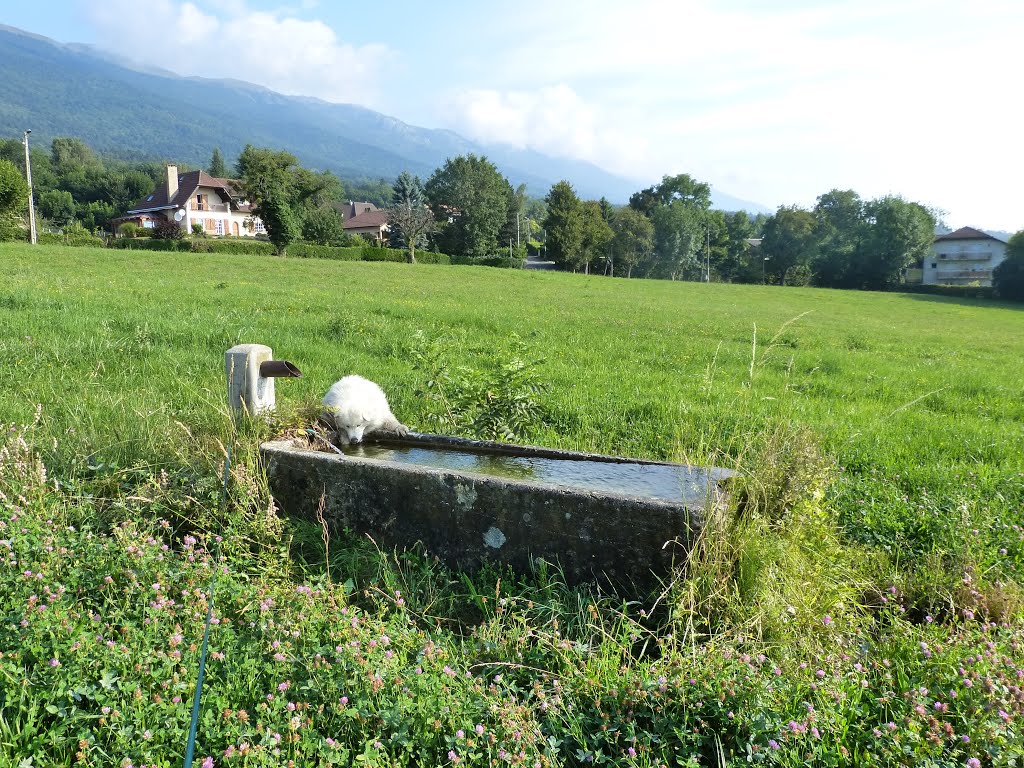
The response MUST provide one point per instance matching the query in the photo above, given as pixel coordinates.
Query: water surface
(648, 481)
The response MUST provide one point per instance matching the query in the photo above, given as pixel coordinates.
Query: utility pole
(707, 279)
(31, 199)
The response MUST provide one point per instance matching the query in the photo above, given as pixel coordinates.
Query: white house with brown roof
(197, 197)
(964, 257)
(370, 224)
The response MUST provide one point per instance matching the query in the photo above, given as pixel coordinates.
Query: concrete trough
(623, 522)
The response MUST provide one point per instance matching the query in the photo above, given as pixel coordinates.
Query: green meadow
(879, 437)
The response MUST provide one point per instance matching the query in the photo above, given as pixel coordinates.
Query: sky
(775, 102)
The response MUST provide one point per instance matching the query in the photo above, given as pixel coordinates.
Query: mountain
(142, 113)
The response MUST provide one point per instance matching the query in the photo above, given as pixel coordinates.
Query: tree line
(469, 210)
(669, 230)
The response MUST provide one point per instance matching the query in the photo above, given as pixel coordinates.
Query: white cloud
(774, 104)
(228, 39)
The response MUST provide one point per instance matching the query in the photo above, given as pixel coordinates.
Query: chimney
(172, 182)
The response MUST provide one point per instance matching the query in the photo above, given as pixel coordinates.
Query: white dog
(355, 406)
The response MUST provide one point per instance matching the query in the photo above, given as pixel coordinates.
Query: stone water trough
(618, 521)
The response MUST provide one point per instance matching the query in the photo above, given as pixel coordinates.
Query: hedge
(263, 248)
(952, 291)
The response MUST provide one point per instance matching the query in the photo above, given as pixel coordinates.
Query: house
(372, 225)
(197, 197)
(351, 209)
(964, 257)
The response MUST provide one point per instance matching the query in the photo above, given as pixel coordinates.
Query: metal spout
(279, 369)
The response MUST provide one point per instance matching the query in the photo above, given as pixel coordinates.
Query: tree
(735, 264)
(840, 230)
(323, 225)
(470, 201)
(71, 154)
(122, 190)
(678, 233)
(900, 233)
(58, 206)
(565, 226)
(1008, 277)
(266, 178)
(684, 188)
(13, 199)
(633, 238)
(597, 235)
(279, 220)
(217, 169)
(408, 217)
(788, 241)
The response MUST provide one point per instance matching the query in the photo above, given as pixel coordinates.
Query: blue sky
(774, 102)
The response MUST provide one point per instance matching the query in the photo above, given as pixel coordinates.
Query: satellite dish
(179, 214)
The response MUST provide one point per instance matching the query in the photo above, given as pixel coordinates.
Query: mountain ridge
(128, 110)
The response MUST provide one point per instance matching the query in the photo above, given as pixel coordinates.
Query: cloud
(554, 120)
(777, 104)
(228, 39)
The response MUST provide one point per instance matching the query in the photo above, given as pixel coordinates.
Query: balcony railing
(986, 256)
(211, 208)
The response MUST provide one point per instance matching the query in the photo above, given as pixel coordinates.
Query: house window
(220, 226)
(201, 202)
(942, 255)
(934, 265)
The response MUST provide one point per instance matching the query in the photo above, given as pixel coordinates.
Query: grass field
(882, 432)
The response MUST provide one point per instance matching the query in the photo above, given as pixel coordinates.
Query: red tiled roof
(368, 219)
(967, 233)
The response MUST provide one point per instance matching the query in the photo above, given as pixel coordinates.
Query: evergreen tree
(565, 226)
(217, 168)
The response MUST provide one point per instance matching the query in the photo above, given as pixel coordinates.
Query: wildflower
(207, 762)
(479, 730)
(460, 734)
(974, 763)
(54, 662)
(632, 752)
(827, 620)
(773, 744)
(284, 686)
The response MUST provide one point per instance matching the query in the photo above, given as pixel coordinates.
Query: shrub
(314, 251)
(953, 291)
(73, 234)
(152, 244)
(129, 229)
(373, 253)
(197, 229)
(1008, 278)
(239, 246)
(167, 229)
(798, 275)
